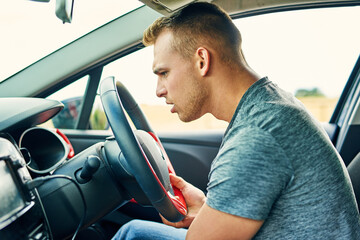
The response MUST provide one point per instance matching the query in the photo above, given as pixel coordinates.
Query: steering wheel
(145, 156)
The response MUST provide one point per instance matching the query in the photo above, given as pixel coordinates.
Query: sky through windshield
(30, 30)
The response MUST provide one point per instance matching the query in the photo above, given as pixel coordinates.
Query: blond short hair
(199, 24)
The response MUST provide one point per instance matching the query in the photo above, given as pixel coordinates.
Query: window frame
(95, 71)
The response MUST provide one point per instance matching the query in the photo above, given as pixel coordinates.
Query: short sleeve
(248, 174)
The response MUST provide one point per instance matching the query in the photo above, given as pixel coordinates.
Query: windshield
(30, 30)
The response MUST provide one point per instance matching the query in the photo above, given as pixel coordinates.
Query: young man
(277, 175)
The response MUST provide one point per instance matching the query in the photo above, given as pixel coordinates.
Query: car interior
(72, 180)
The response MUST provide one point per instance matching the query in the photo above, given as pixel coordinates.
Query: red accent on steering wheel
(71, 149)
(178, 200)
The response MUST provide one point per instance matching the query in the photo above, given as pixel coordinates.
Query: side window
(309, 53)
(294, 50)
(71, 96)
(98, 119)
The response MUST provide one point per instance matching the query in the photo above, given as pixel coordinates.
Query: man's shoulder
(268, 109)
(268, 101)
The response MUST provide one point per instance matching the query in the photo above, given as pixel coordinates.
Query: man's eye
(164, 74)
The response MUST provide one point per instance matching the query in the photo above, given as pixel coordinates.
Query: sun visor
(168, 7)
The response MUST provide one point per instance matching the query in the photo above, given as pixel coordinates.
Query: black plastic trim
(347, 94)
(332, 130)
(89, 98)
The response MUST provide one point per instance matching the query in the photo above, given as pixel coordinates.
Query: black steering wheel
(145, 156)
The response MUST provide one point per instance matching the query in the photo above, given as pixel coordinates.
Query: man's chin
(185, 118)
(182, 117)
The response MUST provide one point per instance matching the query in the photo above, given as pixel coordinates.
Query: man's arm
(208, 223)
(213, 224)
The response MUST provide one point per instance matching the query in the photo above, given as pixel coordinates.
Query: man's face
(179, 82)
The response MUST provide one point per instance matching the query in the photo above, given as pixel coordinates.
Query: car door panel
(82, 139)
(191, 162)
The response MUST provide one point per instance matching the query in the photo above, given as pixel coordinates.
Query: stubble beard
(194, 105)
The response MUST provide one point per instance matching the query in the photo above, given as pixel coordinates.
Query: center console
(21, 211)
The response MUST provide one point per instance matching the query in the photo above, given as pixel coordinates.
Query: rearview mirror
(64, 10)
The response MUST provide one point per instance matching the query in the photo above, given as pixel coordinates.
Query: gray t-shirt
(277, 164)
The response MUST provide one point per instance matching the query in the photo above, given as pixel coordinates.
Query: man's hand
(194, 199)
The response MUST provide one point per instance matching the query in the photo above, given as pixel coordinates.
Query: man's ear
(202, 60)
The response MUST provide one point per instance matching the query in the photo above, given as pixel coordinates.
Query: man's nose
(160, 90)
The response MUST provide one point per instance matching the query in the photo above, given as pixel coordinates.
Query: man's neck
(228, 90)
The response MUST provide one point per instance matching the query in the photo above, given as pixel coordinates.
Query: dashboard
(50, 193)
(22, 215)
